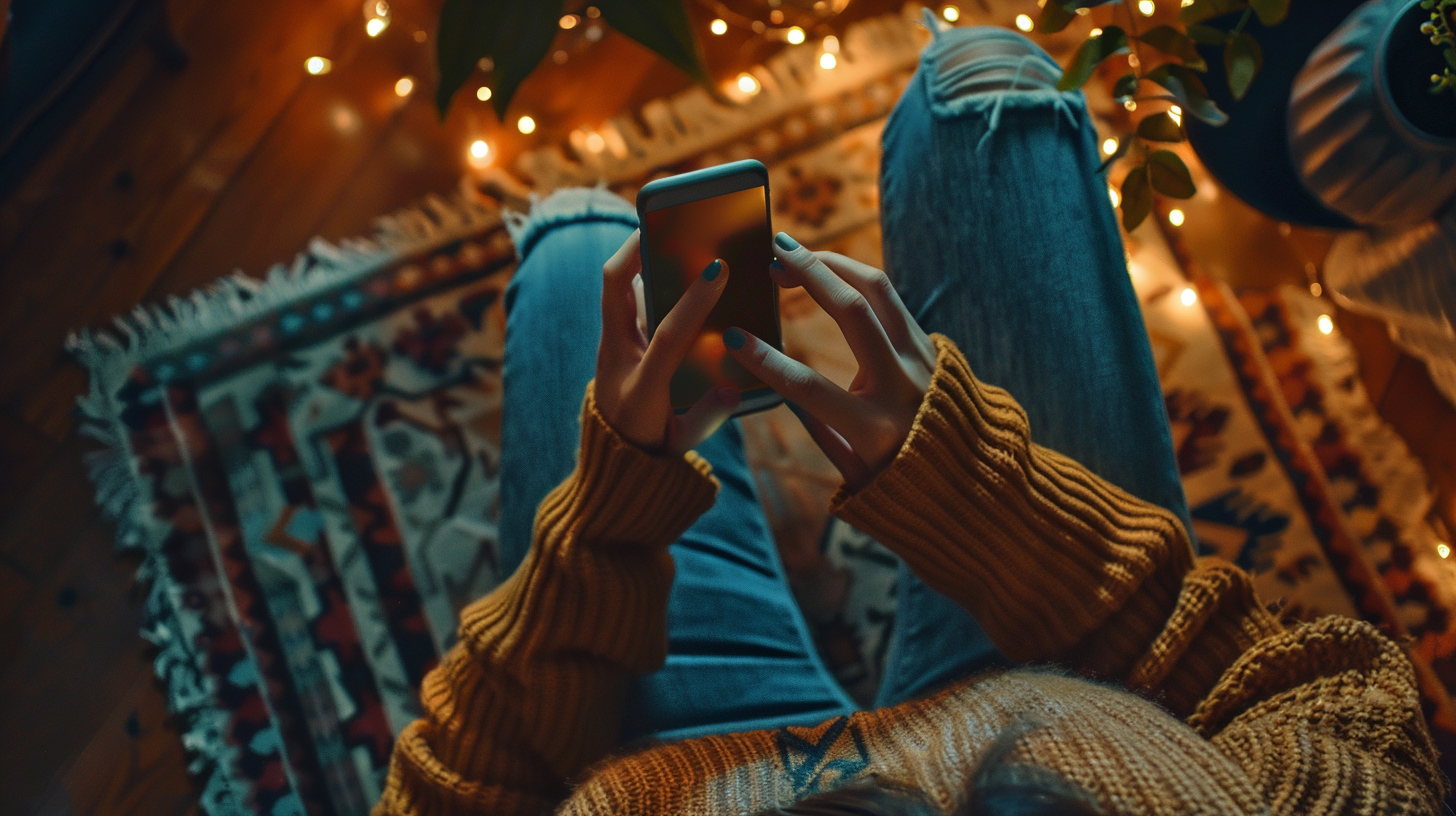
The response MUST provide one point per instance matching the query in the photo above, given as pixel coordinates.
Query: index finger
(850, 309)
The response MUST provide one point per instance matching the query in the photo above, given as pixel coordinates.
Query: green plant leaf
(1242, 59)
(1054, 17)
(1185, 88)
(1137, 198)
(526, 32)
(468, 31)
(1170, 175)
(1126, 87)
(1202, 10)
(1111, 41)
(1160, 127)
(1206, 34)
(1271, 12)
(1171, 41)
(662, 27)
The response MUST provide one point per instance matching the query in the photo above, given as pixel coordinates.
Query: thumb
(689, 430)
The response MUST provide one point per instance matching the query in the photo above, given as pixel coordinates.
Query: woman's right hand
(633, 374)
(860, 429)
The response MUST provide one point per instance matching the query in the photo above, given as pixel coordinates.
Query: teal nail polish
(734, 339)
(776, 266)
(786, 242)
(711, 270)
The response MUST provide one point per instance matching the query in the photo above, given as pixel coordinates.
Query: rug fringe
(112, 353)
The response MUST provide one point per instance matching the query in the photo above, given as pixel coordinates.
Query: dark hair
(997, 788)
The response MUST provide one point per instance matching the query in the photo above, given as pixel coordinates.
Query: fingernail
(776, 266)
(786, 241)
(711, 270)
(734, 339)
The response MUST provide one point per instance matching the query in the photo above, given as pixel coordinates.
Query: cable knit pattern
(1233, 714)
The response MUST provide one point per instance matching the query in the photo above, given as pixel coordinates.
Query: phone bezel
(695, 186)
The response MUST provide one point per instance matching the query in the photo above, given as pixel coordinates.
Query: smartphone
(687, 221)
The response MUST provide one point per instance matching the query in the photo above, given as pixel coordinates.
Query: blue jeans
(998, 232)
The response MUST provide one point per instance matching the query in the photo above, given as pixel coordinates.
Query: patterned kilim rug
(308, 462)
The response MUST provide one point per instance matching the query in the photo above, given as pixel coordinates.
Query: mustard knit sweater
(1217, 708)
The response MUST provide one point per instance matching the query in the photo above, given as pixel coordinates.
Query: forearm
(1056, 563)
(533, 692)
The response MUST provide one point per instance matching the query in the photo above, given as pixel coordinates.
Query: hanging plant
(1442, 31)
(1175, 80)
(513, 36)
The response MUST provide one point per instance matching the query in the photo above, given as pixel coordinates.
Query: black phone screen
(683, 239)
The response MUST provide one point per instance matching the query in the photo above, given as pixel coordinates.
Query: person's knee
(987, 59)
(564, 209)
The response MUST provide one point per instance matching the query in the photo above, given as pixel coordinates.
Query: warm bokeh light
(1109, 147)
(1189, 297)
(1175, 217)
(794, 35)
(482, 93)
(595, 143)
(1443, 550)
(748, 84)
(1024, 22)
(404, 86)
(827, 61)
(479, 153)
(1146, 7)
(950, 13)
(1176, 113)
(1316, 290)
(1096, 32)
(831, 44)
(1130, 105)
(381, 9)
(569, 20)
(317, 65)
(375, 26)
(1116, 197)
(1326, 324)
(718, 27)
(526, 124)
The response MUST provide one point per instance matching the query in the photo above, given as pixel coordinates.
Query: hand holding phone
(633, 375)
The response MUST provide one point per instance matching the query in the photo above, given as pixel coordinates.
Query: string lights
(1146, 7)
(1025, 23)
(951, 14)
(1176, 217)
(1327, 326)
(317, 65)
(404, 86)
(718, 26)
(526, 124)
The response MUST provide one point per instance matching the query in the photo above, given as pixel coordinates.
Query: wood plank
(97, 251)
(41, 527)
(134, 765)
(1419, 413)
(1378, 353)
(64, 671)
(24, 452)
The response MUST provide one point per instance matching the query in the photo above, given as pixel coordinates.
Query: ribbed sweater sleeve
(533, 692)
(1057, 564)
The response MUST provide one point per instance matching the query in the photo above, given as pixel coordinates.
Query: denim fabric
(998, 233)
(740, 654)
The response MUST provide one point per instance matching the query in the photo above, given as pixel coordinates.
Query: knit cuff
(620, 494)
(1039, 549)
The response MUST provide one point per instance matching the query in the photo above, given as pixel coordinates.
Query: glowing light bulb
(1316, 290)
(718, 27)
(526, 124)
(1024, 22)
(1109, 147)
(1443, 551)
(1189, 297)
(831, 44)
(1186, 3)
(595, 143)
(748, 84)
(827, 61)
(482, 93)
(317, 65)
(569, 21)
(1146, 7)
(1176, 114)
(1130, 105)
(375, 26)
(479, 153)
(1327, 326)
(404, 86)
(794, 35)
(1096, 32)
(1116, 197)
(1176, 217)
(950, 13)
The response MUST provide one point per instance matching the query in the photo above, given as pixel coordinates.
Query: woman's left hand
(861, 429)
